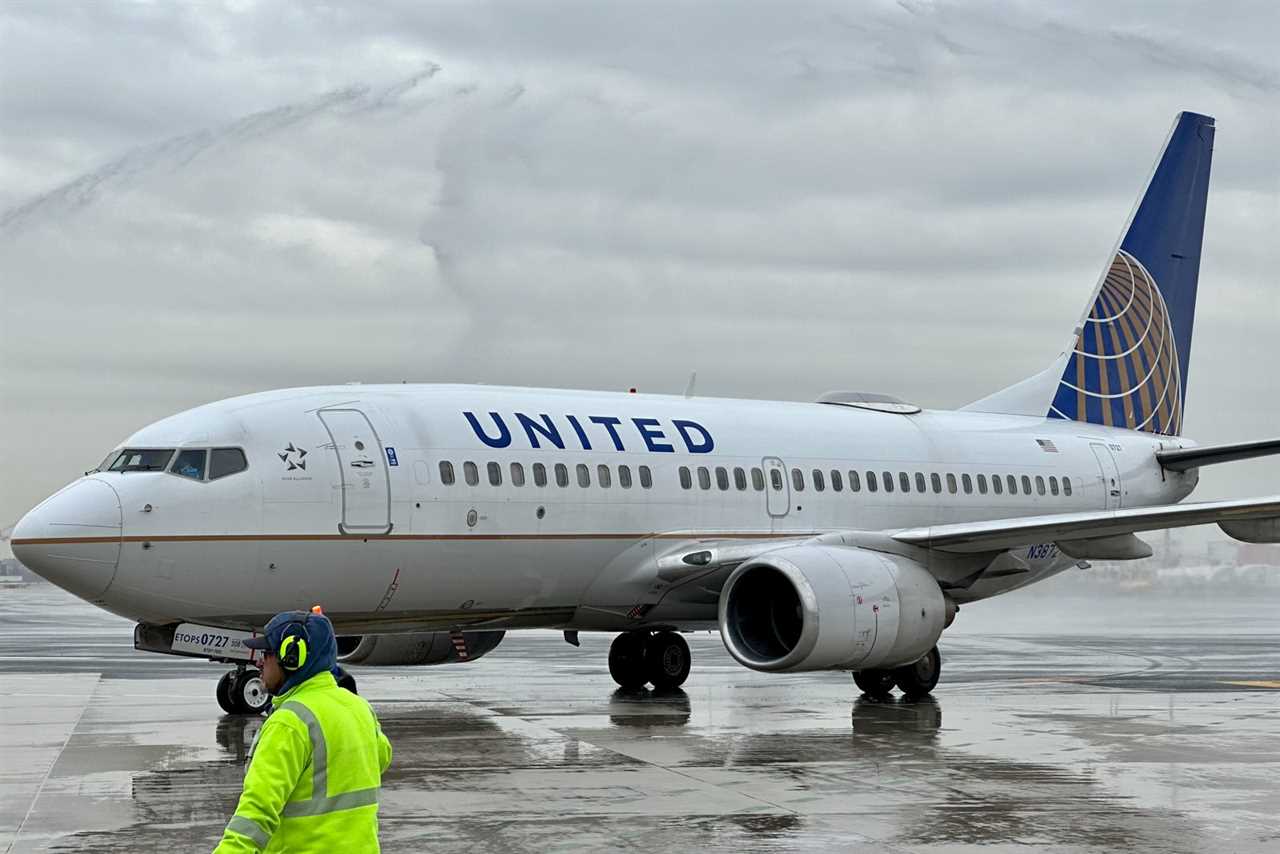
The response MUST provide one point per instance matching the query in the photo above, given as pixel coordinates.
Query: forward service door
(366, 489)
(1110, 475)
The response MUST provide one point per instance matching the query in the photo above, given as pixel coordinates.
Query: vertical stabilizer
(1128, 366)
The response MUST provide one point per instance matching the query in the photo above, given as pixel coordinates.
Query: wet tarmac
(1060, 725)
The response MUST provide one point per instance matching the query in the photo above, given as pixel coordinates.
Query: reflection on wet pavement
(1133, 741)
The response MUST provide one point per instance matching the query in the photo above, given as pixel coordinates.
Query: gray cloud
(206, 200)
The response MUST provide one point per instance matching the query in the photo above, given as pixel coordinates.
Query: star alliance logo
(293, 457)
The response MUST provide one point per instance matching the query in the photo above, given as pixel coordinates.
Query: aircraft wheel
(248, 693)
(667, 660)
(919, 678)
(875, 683)
(626, 659)
(223, 692)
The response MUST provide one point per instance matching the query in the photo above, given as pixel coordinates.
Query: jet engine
(817, 607)
(415, 648)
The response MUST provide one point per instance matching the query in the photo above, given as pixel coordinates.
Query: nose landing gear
(241, 692)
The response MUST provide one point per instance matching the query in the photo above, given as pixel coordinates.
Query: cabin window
(471, 473)
(517, 474)
(888, 481)
(819, 482)
(584, 475)
(837, 482)
(904, 481)
(996, 486)
(226, 461)
(446, 472)
(686, 479)
(495, 474)
(133, 459)
(1026, 485)
(539, 474)
(855, 481)
(646, 477)
(936, 482)
(624, 477)
(603, 476)
(1013, 484)
(967, 483)
(982, 484)
(562, 474)
(722, 478)
(190, 464)
(740, 478)
(797, 480)
(872, 485)
(1066, 486)
(1039, 485)
(951, 483)
(1053, 485)
(757, 480)
(704, 477)
(920, 483)
(775, 479)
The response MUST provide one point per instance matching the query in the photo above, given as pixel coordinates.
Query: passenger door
(1110, 475)
(777, 491)
(362, 464)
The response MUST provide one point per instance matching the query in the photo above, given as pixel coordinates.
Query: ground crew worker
(316, 766)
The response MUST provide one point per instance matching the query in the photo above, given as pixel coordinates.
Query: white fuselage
(369, 528)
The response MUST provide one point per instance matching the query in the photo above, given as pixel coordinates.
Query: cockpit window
(190, 463)
(141, 459)
(225, 461)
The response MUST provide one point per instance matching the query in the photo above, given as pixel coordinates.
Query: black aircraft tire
(626, 660)
(667, 660)
(875, 683)
(248, 694)
(920, 678)
(223, 692)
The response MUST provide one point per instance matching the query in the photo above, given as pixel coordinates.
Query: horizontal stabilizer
(1002, 534)
(1206, 455)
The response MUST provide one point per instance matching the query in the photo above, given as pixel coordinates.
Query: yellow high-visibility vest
(314, 775)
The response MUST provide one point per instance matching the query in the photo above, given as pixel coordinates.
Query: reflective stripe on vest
(248, 827)
(319, 803)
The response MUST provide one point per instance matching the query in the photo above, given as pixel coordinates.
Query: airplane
(842, 534)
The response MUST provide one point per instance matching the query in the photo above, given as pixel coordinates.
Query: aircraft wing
(1248, 515)
(1181, 459)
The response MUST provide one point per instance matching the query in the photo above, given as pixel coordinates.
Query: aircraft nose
(73, 537)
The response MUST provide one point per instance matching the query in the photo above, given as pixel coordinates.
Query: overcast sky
(203, 200)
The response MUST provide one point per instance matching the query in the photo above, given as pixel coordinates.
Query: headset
(293, 646)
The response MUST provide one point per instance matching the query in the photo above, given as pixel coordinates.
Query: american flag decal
(1047, 446)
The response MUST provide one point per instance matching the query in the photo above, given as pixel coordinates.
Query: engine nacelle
(414, 648)
(816, 607)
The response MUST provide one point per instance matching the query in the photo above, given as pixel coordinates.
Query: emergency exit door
(777, 492)
(362, 462)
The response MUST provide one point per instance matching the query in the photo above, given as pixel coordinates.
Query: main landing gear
(913, 680)
(242, 692)
(661, 659)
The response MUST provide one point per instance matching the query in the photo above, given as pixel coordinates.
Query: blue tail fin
(1128, 367)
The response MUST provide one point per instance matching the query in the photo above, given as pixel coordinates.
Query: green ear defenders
(293, 647)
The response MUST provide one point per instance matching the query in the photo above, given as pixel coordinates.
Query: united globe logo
(1123, 370)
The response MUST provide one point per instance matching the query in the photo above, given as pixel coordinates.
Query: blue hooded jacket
(322, 647)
